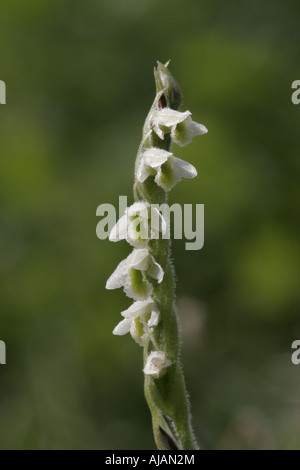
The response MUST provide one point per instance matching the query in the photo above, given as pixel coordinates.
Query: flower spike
(147, 274)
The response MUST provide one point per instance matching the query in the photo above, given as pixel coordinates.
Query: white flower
(139, 319)
(156, 364)
(140, 223)
(168, 170)
(132, 274)
(180, 125)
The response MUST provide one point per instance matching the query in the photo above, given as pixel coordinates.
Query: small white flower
(139, 319)
(168, 170)
(156, 364)
(140, 223)
(132, 274)
(180, 125)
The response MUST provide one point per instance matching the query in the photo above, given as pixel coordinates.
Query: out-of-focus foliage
(79, 84)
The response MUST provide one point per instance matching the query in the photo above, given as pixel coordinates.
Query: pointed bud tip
(164, 79)
(160, 64)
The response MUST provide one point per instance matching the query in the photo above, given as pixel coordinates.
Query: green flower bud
(164, 80)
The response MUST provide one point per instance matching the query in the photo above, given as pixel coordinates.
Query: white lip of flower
(139, 215)
(168, 170)
(131, 274)
(156, 364)
(139, 319)
(181, 125)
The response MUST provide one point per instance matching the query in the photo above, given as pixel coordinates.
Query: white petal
(140, 307)
(155, 157)
(169, 117)
(154, 318)
(198, 129)
(123, 327)
(138, 208)
(156, 271)
(183, 169)
(160, 181)
(118, 277)
(138, 292)
(141, 340)
(119, 231)
(157, 130)
(142, 172)
(158, 223)
(156, 363)
(183, 133)
(138, 232)
(139, 259)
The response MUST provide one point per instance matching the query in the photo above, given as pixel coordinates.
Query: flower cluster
(140, 273)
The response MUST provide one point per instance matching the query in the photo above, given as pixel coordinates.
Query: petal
(123, 327)
(138, 208)
(156, 271)
(118, 277)
(155, 157)
(198, 129)
(169, 117)
(157, 130)
(183, 169)
(136, 286)
(137, 332)
(119, 231)
(166, 177)
(140, 307)
(139, 259)
(142, 172)
(158, 223)
(138, 231)
(154, 318)
(156, 363)
(183, 133)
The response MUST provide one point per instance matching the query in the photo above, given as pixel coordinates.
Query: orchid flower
(139, 320)
(168, 170)
(180, 125)
(156, 364)
(140, 223)
(133, 273)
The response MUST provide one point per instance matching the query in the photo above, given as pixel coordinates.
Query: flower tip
(194, 172)
(204, 129)
(112, 237)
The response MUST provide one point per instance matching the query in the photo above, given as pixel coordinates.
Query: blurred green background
(79, 84)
